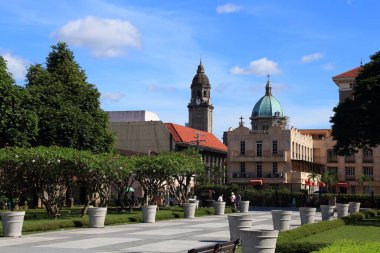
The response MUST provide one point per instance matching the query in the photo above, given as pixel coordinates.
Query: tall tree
(67, 105)
(18, 122)
(356, 123)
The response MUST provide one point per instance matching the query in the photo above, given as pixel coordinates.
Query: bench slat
(225, 247)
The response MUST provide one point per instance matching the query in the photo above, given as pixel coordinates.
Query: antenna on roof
(361, 62)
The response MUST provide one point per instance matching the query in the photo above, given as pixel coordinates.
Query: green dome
(267, 106)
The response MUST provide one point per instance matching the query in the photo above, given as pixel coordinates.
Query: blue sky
(142, 55)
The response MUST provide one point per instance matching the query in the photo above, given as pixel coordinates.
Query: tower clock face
(198, 101)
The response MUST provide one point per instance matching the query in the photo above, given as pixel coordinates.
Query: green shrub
(352, 247)
(299, 247)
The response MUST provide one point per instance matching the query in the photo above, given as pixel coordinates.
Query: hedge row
(38, 225)
(289, 241)
(283, 197)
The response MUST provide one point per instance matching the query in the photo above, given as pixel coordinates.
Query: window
(274, 168)
(350, 171)
(349, 158)
(242, 167)
(265, 127)
(259, 148)
(205, 93)
(367, 156)
(368, 171)
(242, 147)
(259, 170)
(353, 190)
(332, 157)
(274, 147)
(333, 169)
(255, 127)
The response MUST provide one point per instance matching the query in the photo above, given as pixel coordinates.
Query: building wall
(324, 142)
(143, 136)
(291, 144)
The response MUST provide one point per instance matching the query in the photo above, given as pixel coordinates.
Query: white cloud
(259, 67)
(105, 37)
(227, 8)
(112, 97)
(328, 66)
(17, 66)
(312, 57)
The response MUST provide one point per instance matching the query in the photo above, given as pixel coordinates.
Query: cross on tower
(241, 121)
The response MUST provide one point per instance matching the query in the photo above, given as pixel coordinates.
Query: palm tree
(313, 177)
(330, 178)
(363, 179)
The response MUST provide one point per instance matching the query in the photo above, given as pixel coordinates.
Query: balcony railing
(332, 159)
(350, 178)
(367, 159)
(349, 159)
(242, 175)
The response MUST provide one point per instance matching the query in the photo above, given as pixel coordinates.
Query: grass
(343, 246)
(349, 232)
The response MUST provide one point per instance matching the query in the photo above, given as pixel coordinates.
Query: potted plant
(98, 177)
(152, 172)
(184, 166)
(12, 186)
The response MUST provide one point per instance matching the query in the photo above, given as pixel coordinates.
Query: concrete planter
(189, 210)
(258, 241)
(342, 209)
(233, 223)
(327, 212)
(244, 206)
(281, 219)
(353, 207)
(149, 213)
(12, 223)
(97, 216)
(307, 215)
(219, 207)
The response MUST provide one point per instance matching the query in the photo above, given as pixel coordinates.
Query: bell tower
(200, 107)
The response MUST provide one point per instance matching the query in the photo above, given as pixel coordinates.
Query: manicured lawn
(349, 232)
(351, 247)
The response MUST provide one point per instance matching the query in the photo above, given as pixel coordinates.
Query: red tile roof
(353, 73)
(189, 135)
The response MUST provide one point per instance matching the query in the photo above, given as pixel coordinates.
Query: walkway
(164, 236)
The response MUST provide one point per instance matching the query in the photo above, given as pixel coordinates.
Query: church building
(268, 154)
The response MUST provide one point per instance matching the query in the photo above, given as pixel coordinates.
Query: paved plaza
(177, 235)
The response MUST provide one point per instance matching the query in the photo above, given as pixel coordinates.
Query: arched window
(205, 93)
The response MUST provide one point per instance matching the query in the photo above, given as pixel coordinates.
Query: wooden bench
(225, 247)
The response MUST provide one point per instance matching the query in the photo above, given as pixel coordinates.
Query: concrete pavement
(172, 236)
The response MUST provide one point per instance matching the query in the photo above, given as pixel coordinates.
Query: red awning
(322, 184)
(256, 182)
(342, 184)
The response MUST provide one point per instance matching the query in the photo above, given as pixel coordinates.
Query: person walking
(238, 200)
(233, 200)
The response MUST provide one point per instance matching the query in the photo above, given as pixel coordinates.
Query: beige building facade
(270, 154)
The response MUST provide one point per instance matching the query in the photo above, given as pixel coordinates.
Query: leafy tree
(365, 179)
(330, 178)
(18, 123)
(67, 105)
(356, 123)
(184, 166)
(152, 172)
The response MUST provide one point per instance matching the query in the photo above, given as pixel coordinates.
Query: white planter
(189, 210)
(97, 216)
(258, 241)
(234, 221)
(281, 219)
(353, 207)
(327, 212)
(307, 215)
(244, 206)
(149, 213)
(219, 207)
(12, 223)
(342, 209)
